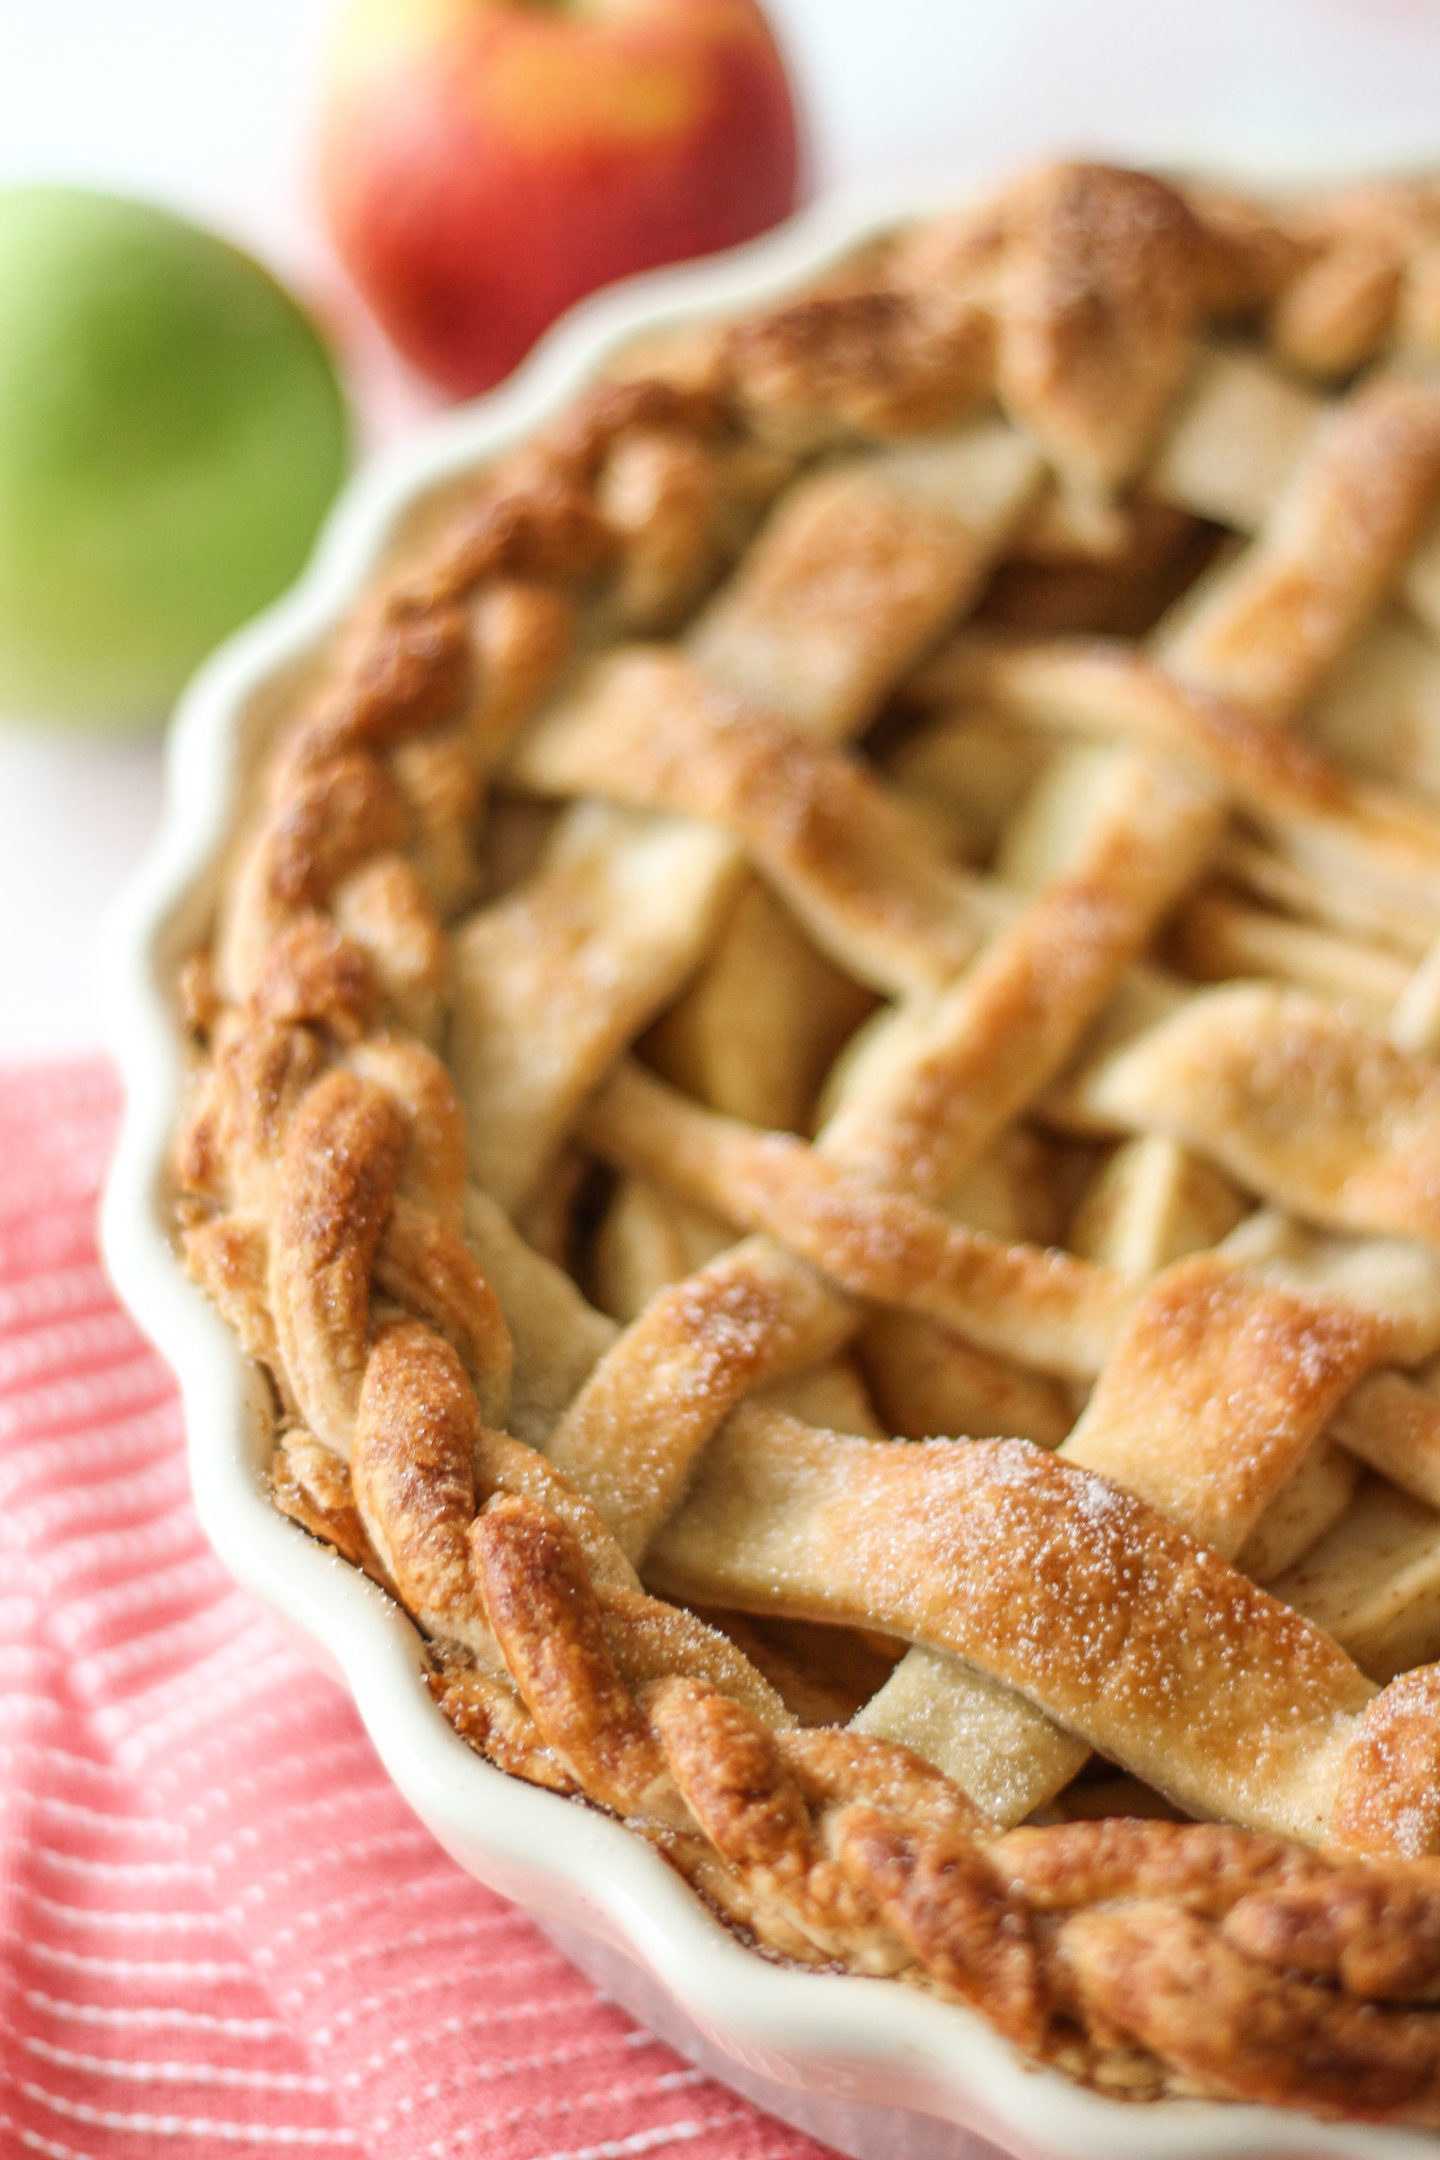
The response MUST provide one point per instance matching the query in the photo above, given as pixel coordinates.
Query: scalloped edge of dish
(889, 2051)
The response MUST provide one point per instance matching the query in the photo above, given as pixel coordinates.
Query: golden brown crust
(631, 1436)
(1374, 1933)
(1335, 547)
(539, 526)
(1389, 1795)
(336, 813)
(1250, 251)
(951, 1909)
(537, 1598)
(308, 1483)
(1103, 689)
(486, 1712)
(1055, 1601)
(1216, 1391)
(406, 670)
(384, 910)
(1161, 1977)
(647, 729)
(870, 360)
(413, 1471)
(830, 1771)
(1005, 1026)
(241, 1115)
(1076, 1594)
(1340, 311)
(1357, 1142)
(229, 1255)
(314, 976)
(1205, 1867)
(733, 1780)
(337, 1181)
(426, 1268)
(1102, 290)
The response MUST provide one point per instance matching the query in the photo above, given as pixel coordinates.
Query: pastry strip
(1123, 1628)
(1293, 1097)
(551, 984)
(1241, 433)
(1332, 547)
(858, 571)
(1216, 1391)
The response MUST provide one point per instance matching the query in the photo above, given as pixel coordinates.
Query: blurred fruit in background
(171, 433)
(487, 162)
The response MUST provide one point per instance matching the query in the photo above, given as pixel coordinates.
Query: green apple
(171, 432)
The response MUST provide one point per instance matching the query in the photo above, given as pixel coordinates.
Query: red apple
(486, 162)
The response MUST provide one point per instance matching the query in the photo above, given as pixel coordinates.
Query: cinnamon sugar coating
(970, 664)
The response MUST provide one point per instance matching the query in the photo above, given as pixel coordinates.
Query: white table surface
(209, 108)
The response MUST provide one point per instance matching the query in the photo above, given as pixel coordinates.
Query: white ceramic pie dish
(868, 2065)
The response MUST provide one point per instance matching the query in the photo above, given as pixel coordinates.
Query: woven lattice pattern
(882, 878)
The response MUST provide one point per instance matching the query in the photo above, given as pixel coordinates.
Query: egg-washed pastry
(818, 1083)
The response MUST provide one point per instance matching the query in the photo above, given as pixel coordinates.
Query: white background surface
(208, 107)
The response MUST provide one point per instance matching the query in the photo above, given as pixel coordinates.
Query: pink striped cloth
(223, 1930)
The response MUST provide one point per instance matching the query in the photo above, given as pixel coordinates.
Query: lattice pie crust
(883, 876)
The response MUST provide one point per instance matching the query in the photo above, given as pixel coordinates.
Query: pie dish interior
(1099, 518)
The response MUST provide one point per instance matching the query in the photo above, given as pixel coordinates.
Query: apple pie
(818, 1083)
